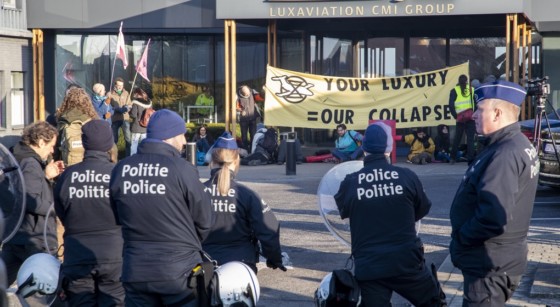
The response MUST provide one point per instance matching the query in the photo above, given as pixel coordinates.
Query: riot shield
(12, 194)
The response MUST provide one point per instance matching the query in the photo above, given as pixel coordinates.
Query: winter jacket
(418, 146)
(102, 108)
(138, 107)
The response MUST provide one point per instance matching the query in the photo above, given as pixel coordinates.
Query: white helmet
(322, 293)
(38, 273)
(236, 283)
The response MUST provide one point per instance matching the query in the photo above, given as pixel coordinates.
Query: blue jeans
(125, 126)
(348, 156)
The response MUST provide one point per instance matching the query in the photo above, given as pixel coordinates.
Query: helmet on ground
(338, 288)
(38, 273)
(236, 284)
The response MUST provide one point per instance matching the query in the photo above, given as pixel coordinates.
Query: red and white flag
(121, 48)
(142, 66)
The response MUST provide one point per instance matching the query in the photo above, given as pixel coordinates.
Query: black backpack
(270, 141)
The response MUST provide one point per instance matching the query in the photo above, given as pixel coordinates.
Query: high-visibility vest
(463, 102)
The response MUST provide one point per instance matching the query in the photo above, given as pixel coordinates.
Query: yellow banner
(295, 99)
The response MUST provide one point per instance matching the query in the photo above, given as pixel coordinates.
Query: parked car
(549, 156)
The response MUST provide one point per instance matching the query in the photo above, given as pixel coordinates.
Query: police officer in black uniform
(492, 208)
(383, 202)
(242, 218)
(165, 214)
(92, 239)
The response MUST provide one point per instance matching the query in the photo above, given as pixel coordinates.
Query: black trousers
(489, 291)
(93, 285)
(469, 128)
(172, 293)
(420, 288)
(14, 255)
(248, 128)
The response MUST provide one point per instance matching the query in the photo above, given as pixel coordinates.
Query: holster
(199, 279)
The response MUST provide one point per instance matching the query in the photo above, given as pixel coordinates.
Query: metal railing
(13, 19)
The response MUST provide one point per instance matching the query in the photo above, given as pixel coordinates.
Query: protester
(388, 255)
(165, 214)
(461, 105)
(120, 102)
(346, 144)
(75, 110)
(421, 147)
(33, 154)
(491, 211)
(442, 143)
(102, 103)
(243, 221)
(140, 103)
(248, 114)
(92, 239)
(202, 139)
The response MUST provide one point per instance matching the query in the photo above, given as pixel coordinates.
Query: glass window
(17, 98)
(486, 56)
(382, 58)
(426, 54)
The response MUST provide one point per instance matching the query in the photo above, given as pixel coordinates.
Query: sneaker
(408, 161)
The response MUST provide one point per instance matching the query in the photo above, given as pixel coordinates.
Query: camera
(538, 87)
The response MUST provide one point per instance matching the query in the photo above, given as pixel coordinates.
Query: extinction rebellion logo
(293, 89)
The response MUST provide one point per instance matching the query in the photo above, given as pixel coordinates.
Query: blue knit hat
(165, 124)
(375, 139)
(504, 90)
(97, 135)
(226, 141)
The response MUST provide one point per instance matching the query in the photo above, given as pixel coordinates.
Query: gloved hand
(426, 144)
(275, 265)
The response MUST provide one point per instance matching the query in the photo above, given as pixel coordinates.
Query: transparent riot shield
(328, 187)
(12, 194)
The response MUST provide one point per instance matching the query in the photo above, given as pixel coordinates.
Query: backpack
(343, 289)
(71, 148)
(269, 141)
(145, 118)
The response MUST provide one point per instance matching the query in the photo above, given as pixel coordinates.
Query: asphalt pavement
(314, 251)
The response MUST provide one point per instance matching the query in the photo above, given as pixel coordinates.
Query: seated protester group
(266, 149)
(346, 145)
(422, 147)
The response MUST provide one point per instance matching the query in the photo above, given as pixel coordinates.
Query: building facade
(189, 43)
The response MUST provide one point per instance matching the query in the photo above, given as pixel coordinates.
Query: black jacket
(164, 212)
(383, 202)
(241, 218)
(91, 233)
(138, 107)
(38, 201)
(492, 208)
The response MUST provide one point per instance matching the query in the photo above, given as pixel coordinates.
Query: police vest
(463, 102)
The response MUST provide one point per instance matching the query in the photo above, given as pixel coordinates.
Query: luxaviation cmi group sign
(295, 99)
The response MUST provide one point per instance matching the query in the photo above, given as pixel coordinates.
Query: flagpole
(136, 74)
(115, 60)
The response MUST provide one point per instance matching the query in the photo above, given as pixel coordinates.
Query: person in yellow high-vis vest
(462, 106)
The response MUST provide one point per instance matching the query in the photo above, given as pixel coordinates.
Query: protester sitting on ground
(266, 151)
(421, 147)
(346, 145)
(443, 144)
(203, 140)
(283, 148)
(261, 129)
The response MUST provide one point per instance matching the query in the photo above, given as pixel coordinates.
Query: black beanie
(97, 135)
(375, 139)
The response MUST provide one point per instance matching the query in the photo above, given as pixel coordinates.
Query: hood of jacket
(143, 103)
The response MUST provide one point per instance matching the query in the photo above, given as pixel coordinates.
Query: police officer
(383, 202)
(242, 218)
(92, 239)
(492, 208)
(165, 214)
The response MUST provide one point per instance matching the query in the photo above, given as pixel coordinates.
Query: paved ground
(314, 252)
